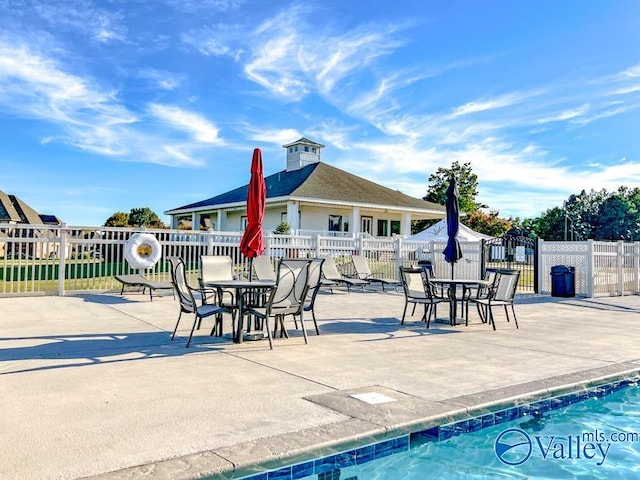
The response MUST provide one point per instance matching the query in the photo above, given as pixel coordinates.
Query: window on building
(383, 230)
(335, 223)
(313, 150)
(283, 216)
(290, 149)
(395, 227)
(243, 222)
(306, 149)
(295, 149)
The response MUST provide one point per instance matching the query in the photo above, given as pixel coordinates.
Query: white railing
(32, 257)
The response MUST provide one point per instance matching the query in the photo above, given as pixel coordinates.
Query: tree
(118, 219)
(487, 223)
(467, 186)
(143, 217)
(137, 217)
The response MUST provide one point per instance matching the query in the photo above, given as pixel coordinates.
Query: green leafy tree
(144, 217)
(467, 186)
(118, 219)
(487, 223)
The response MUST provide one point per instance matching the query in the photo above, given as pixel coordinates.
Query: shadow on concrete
(67, 351)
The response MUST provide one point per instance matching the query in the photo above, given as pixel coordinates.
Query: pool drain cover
(373, 398)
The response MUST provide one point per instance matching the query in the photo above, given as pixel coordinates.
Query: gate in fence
(513, 252)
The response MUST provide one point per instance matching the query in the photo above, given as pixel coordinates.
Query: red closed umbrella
(252, 243)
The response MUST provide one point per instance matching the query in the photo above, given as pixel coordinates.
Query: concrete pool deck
(92, 387)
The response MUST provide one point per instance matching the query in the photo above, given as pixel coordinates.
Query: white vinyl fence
(601, 268)
(32, 257)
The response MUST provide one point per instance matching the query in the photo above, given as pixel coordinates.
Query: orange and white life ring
(142, 250)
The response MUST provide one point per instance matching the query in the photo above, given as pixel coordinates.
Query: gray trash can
(563, 281)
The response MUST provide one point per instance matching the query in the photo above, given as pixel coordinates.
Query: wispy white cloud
(192, 123)
(218, 40)
(566, 114)
(501, 101)
(84, 16)
(162, 79)
(290, 57)
(194, 6)
(87, 117)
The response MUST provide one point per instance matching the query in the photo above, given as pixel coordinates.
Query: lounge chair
(332, 276)
(140, 282)
(363, 272)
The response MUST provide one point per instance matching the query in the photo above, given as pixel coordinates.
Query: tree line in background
(597, 215)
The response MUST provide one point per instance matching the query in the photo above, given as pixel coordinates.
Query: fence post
(62, 259)
(620, 262)
(636, 266)
(591, 260)
(209, 237)
(539, 265)
(399, 259)
(317, 246)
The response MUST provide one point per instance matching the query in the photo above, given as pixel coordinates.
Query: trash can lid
(562, 269)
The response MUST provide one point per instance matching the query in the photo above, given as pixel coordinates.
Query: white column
(355, 221)
(221, 220)
(195, 221)
(405, 228)
(293, 215)
(174, 222)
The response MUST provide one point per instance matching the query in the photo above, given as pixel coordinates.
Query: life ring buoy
(142, 250)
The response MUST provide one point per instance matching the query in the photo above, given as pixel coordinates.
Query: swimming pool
(593, 433)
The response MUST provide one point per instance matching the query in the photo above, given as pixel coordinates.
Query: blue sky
(114, 104)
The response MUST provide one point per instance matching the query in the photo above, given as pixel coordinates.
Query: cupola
(301, 153)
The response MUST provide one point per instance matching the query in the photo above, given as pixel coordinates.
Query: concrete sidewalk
(92, 386)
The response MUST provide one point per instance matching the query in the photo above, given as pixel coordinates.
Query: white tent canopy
(438, 233)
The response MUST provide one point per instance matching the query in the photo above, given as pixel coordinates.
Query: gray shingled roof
(319, 181)
(14, 209)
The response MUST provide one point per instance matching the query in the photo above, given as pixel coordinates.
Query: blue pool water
(591, 434)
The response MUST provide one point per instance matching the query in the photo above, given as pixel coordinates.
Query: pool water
(592, 434)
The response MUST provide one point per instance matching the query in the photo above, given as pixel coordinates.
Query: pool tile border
(361, 455)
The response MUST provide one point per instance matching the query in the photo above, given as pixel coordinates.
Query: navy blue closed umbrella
(452, 252)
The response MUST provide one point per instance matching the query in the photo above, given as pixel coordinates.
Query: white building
(313, 196)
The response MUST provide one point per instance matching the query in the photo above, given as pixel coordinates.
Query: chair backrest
(216, 267)
(315, 279)
(428, 269)
(361, 266)
(330, 269)
(291, 284)
(263, 268)
(413, 282)
(506, 285)
(180, 284)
